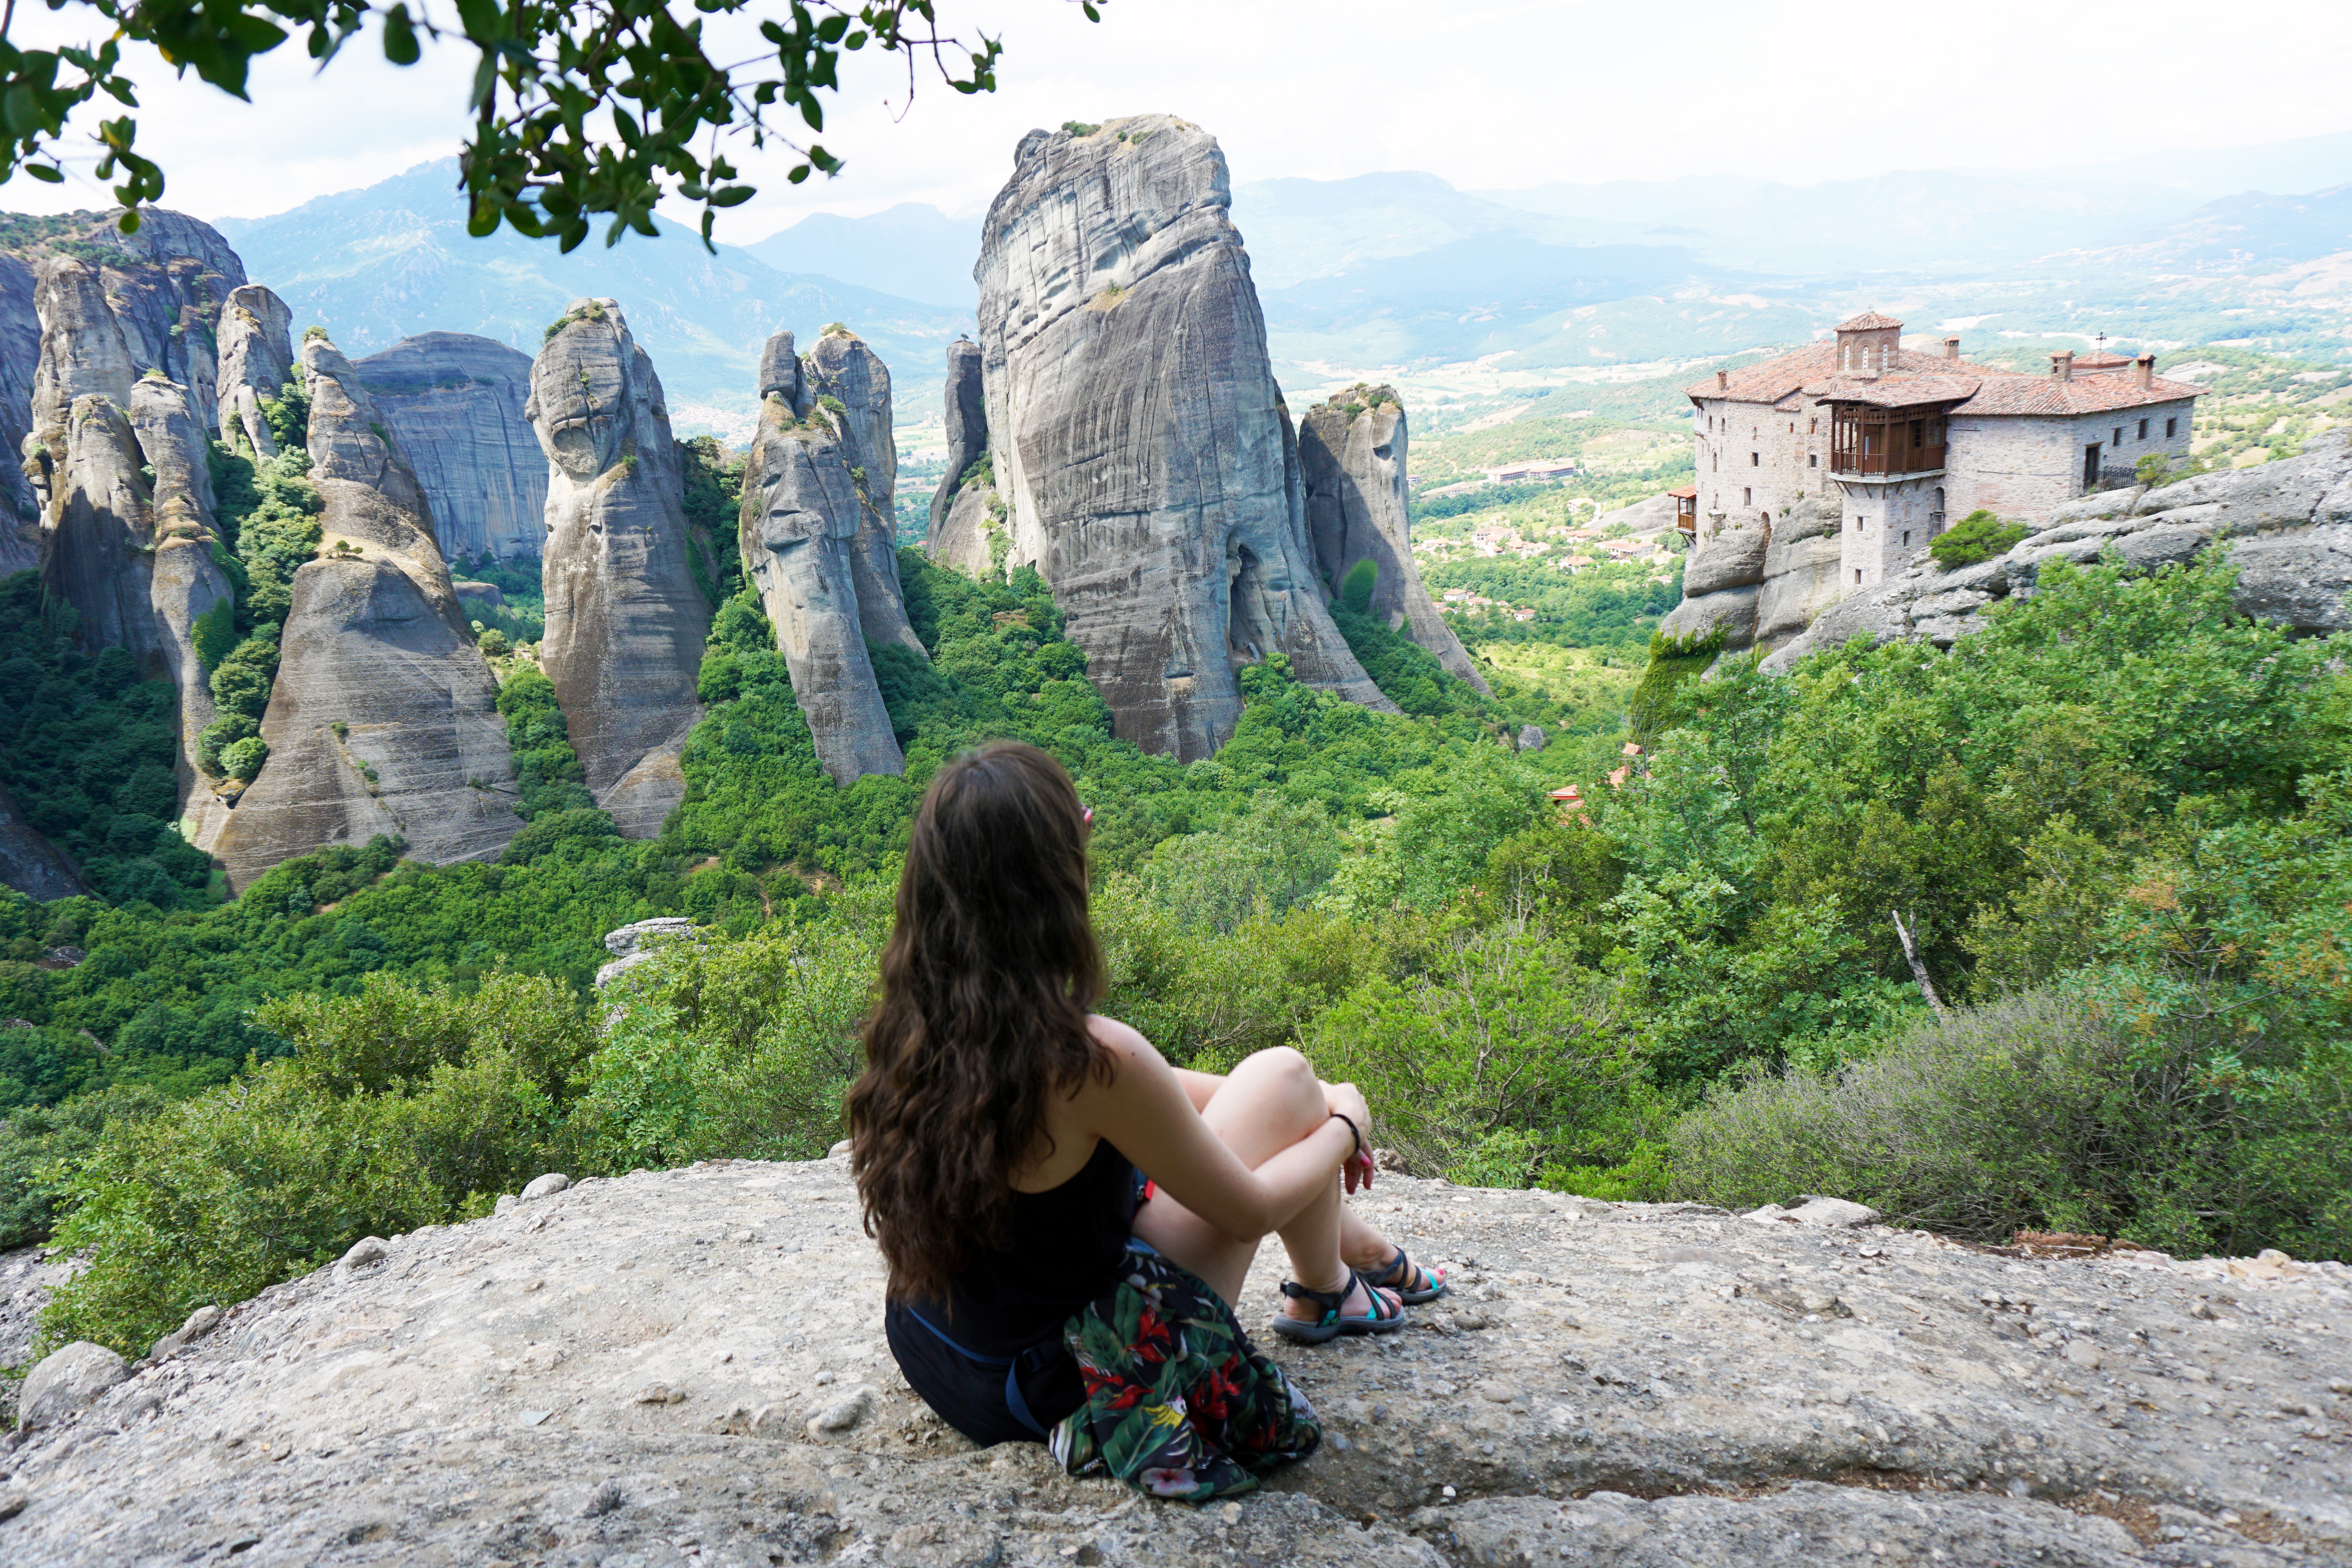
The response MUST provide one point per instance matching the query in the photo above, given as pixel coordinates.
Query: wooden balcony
(1876, 443)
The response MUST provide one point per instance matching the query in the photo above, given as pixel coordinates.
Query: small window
(1907, 536)
(1812, 460)
(2143, 429)
(2170, 426)
(1755, 459)
(1793, 426)
(2119, 435)
(1812, 426)
(1746, 496)
(1857, 575)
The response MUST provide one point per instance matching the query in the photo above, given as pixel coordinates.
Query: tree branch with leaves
(582, 109)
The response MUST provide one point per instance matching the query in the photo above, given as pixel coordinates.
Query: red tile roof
(1913, 377)
(2048, 394)
(1869, 321)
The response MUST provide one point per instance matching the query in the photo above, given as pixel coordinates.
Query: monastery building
(1912, 442)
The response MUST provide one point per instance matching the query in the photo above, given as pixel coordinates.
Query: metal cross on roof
(2101, 340)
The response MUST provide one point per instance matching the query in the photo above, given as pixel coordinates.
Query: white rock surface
(487, 1393)
(66, 1382)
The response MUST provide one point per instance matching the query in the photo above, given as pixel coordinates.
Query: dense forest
(2045, 931)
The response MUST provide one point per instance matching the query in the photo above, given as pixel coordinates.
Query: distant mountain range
(1398, 269)
(376, 265)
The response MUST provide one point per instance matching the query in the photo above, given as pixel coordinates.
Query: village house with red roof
(1911, 442)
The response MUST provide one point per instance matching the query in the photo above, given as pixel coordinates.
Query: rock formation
(842, 369)
(1351, 458)
(1761, 585)
(130, 552)
(20, 358)
(798, 535)
(2285, 524)
(456, 403)
(1136, 433)
(695, 1356)
(30, 863)
(625, 623)
(384, 716)
(164, 288)
(958, 525)
(257, 360)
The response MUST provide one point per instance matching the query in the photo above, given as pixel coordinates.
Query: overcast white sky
(1489, 95)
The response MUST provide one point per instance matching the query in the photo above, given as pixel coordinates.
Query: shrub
(494, 643)
(242, 760)
(2033, 1113)
(734, 1048)
(1979, 536)
(1357, 588)
(402, 1107)
(1080, 127)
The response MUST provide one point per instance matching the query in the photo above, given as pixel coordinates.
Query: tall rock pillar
(1351, 459)
(841, 367)
(1136, 430)
(961, 513)
(625, 623)
(800, 518)
(383, 718)
(257, 360)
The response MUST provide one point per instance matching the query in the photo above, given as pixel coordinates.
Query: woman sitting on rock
(1040, 1288)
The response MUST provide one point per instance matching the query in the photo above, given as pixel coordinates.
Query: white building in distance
(1912, 442)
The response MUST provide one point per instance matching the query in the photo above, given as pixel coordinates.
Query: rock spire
(455, 403)
(842, 370)
(1351, 458)
(802, 516)
(257, 360)
(130, 551)
(384, 715)
(625, 621)
(967, 419)
(1136, 433)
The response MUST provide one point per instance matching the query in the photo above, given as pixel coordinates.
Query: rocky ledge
(688, 1367)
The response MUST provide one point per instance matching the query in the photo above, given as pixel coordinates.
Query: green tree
(579, 111)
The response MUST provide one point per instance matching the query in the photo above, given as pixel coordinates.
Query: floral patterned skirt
(1178, 1404)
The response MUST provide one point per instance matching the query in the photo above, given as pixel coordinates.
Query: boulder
(631, 945)
(1137, 434)
(66, 1382)
(1351, 461)
(625, 620)
(842, 369)
(455, 403)
(1728, 556)
(30, 863)
(256, 362)
(1637, 1385)
(383, 716)
(967, 419)
(1733, 609)
(1531, 737)
(2301, 578)
(799, 528)
(1652, 514)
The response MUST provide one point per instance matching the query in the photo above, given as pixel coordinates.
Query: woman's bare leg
(1266, 1104)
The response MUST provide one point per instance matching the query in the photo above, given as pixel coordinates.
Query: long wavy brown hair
(986, 983)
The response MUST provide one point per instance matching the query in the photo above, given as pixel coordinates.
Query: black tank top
(1062, 1249)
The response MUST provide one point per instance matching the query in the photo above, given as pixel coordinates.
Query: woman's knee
(1279, 1067)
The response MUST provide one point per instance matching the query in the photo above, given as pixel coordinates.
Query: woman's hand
(1346, 1099)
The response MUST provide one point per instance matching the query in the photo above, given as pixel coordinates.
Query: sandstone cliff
(2285, 524)
(802, 512)
(164, 288)
(967, 422)
(20, 359)
(1351, 457)
(689, 1366)
(455, 402)
(1136, 433)
(842, 369)
(625, 623)
(383, 716)
(257, 360)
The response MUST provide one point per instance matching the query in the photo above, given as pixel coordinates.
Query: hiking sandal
(1401, 1268)
(1381, 1320)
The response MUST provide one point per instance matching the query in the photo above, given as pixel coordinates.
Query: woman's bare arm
(1200, 1087)
(1148, 1112)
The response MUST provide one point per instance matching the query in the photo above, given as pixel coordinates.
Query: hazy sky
(1489, 95)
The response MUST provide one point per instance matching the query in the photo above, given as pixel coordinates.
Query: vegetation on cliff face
(2115, 823)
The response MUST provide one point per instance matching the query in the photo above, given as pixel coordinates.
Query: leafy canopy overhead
(581, 108)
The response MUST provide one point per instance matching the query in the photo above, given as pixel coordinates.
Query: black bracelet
(1355, 1131)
